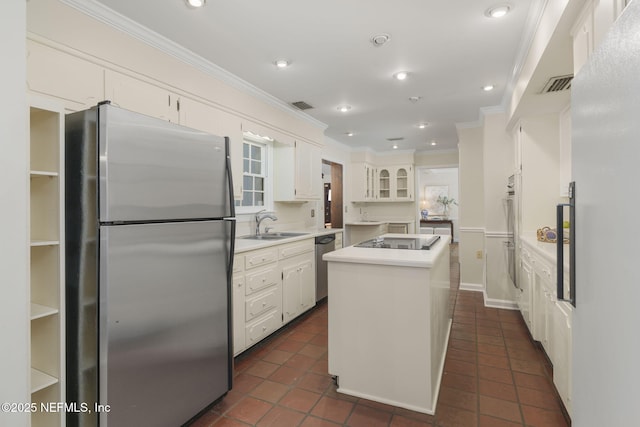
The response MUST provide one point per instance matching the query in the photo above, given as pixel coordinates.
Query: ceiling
(449, 48)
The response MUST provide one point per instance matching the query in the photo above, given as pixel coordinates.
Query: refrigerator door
(150, 169)
(163, 322)
(605, 152)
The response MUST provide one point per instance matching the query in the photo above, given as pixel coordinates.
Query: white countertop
(396, 257)
(546, 250)
(244, 245)
(380, 222)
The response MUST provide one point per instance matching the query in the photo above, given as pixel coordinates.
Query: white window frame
(267, 167)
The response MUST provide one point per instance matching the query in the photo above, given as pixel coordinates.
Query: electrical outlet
(479, 254)
(313, 213)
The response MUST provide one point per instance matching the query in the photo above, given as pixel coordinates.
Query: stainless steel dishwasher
(324, 244)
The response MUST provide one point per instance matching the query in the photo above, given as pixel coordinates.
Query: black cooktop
(421, 243)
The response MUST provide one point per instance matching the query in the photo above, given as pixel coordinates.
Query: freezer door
(163, 322)
(150, 169)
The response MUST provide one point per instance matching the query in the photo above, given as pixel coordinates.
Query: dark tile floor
(494, 376)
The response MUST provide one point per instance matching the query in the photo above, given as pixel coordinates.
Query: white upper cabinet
(394, 183)
(77, 83)
(594, 21)
(403, 183)
(297, 172)
(364, 182)
(198, 115)
(140, 96)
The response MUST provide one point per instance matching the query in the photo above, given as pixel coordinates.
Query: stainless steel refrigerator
(150, 220)
(605, 155)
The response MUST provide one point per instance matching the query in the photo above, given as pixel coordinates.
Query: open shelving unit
(46, 258)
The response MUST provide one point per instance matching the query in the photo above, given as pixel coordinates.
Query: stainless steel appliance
(510, 243)
(605, 132)
(324, 244)
(150, 220)
(414, 243)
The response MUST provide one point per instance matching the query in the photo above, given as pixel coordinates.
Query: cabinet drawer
(258, 258)
(262, 302)
(297, 248)
(259, 329)
(261, 279)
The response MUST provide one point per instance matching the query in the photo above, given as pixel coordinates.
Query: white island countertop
(399, 257)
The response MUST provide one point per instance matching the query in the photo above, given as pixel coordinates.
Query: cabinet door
(78, 83)
(238, 314)
(140, 96)
(384, 184)
(403, 188)
(308, 179)
(524, 302)
(204, 117)
(538, 318)
(562, 352)
(290, 292)
(306, 275)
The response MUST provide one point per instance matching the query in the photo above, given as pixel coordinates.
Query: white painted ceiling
(449, 47)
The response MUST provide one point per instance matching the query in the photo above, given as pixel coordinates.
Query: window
(256, 182)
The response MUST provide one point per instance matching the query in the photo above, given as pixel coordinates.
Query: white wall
(498, 166)
(471, 207)
(14, 302)
(440, 176)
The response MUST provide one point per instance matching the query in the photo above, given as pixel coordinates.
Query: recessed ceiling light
(415, 99)
(395, 146)
(282, 63)
(488, 88)
(349, 134)
(379, 39)
(498, 11)
(196, 3)
(344, 108)
(422, 125)
(434, 143)
(400, 75)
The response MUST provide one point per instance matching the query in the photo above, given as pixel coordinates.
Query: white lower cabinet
(237, 296)
(271, 286)
(562, 351)
(524, 285)
(550, 320)
(298, 286)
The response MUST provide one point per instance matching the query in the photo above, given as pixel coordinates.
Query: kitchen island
(389, 322)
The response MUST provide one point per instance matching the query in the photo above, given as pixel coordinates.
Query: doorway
(332, 182)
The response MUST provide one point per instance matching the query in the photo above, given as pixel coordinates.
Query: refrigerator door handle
(572, 248)
(232, 202)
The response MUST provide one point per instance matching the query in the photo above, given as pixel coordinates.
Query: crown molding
(531, 28)
(128, 26)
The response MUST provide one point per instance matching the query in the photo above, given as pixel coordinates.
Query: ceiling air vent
(558, 84)
(401, 138)
(301, 105)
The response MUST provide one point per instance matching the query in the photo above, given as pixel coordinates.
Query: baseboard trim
(474, 287)
(499, 303)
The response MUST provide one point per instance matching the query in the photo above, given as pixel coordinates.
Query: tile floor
(494, 376)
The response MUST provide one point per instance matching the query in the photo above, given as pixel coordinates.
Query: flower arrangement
(446, 202)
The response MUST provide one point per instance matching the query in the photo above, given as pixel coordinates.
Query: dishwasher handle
(326, 239)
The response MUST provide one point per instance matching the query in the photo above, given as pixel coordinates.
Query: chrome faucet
(261, 216)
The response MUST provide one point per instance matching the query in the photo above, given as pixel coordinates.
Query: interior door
(164, 321)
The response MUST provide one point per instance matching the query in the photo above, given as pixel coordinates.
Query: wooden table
(435, 222)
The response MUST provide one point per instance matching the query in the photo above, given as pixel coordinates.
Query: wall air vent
(558, 84)
(301, 105)
(401, 138)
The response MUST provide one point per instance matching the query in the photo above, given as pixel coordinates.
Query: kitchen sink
(274, 236)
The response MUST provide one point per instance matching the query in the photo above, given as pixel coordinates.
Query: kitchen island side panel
(384, 341)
